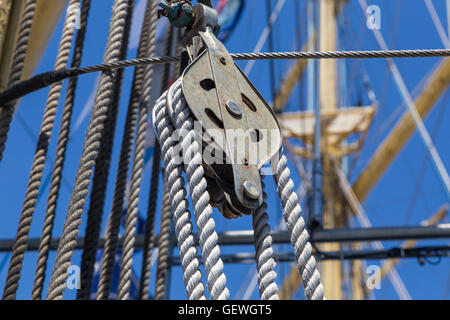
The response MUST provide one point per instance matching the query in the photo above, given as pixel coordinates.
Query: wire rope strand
(306, 262)
(40, 157)
(44, 245)
(138, 166)
(90, 151)
(17, 66)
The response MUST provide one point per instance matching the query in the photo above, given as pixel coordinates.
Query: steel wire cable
(138, 165)
(180, 207)
(17, 66)
(50, 212)
(113, 226)
(89, 154)
(100, 180)
(42, 80)
(144, 284)
(40, 157)
(360, 54)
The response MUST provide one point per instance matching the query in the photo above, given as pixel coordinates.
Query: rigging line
(216, 279)
(34, 139)
(40, 156)
(264, 251)
(101, 175)
(421, 177)
(448, 18)
(138, 165)
(89, 154)
(271, 49)
(44, 79)
(265, 34)
(365, 223)
(437, 23)
(121, 183)
(17, 66)
(429, 145)
(302, 191)
(144, 286)
(394, 115)
(56, 173)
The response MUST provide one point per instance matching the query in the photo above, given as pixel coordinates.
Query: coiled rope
(138, 166)
(17, 65)
(100, 180)
(44, 245)
(89, 154)
(180, 207)
(40, 156)
(265, 262)
(112, 231)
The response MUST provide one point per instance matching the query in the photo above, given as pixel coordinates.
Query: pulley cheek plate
(234, 115)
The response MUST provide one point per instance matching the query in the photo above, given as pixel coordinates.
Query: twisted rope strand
(200, 197)
(40, 156)
(138, 166)
(144, 284)
(44, 245)
(180, 206)
(89, 154)
(112, 231)
(264, 253)
(100, 180)
(299, 235)
(163, 247)
(17, 66)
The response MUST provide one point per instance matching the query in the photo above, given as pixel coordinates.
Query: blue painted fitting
(179, 15)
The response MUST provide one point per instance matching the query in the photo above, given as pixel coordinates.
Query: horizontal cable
(45, 79)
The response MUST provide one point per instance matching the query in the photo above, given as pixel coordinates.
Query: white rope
(264, 253)
(200, 198)
(306, 263)
(180, 207)
(208, 238)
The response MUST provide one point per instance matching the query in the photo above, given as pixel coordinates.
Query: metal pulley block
(240, 133)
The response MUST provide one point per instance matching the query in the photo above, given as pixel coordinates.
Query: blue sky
(404, 24)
